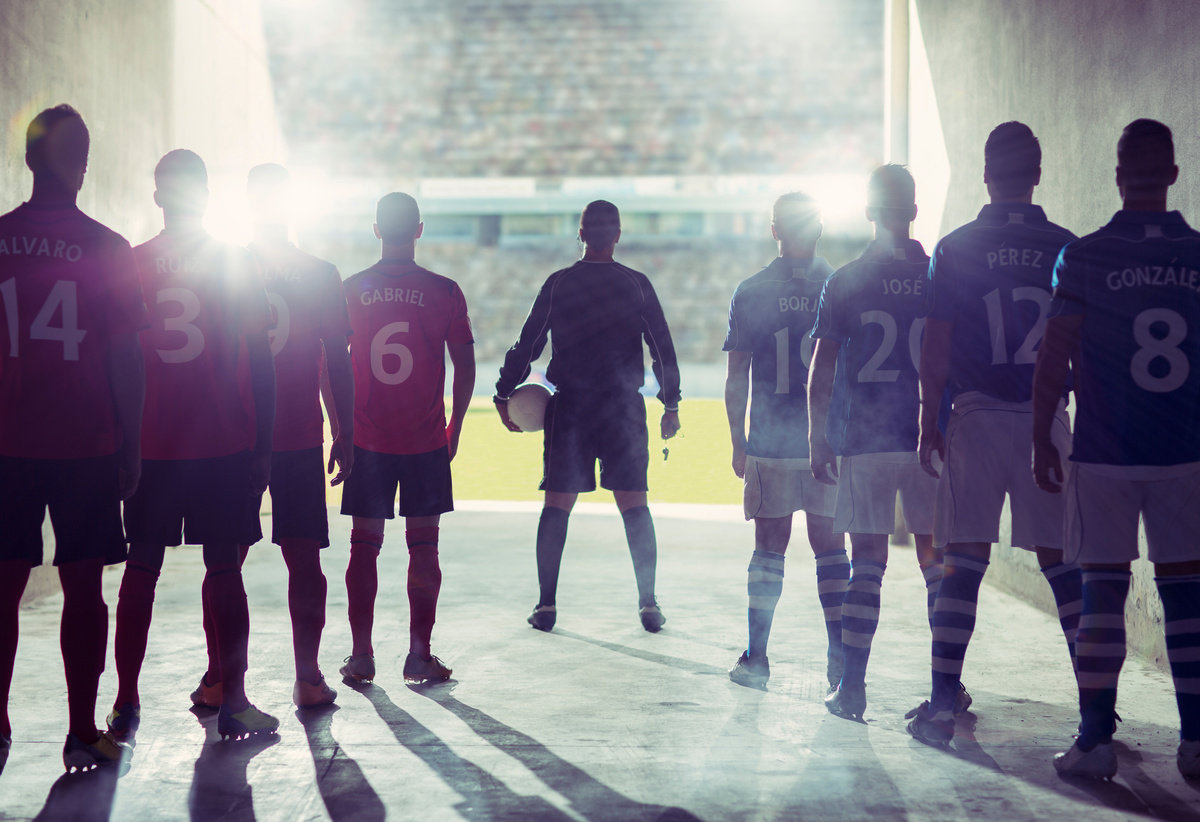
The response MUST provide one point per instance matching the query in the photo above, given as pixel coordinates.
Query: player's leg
(764, 587)
(860, 618)
(833, 577)
(368, 498)
(930, 559)
(643, 550)
(1066, 584)
(22, 511)
(135, 609)
(14, 575)
(83, 637)
(551, 541)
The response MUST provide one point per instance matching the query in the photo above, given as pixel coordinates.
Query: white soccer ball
(527, 406)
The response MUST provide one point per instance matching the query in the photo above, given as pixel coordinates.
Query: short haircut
(795, 214)
(1146, 153)
(600, 223)
(180, 167)
(266, 178)
(891, 186)
(397, 216)
(1012, 157)
(69, 150)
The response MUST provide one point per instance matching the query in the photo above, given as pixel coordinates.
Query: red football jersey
(402, 316)
(307, 305)
(203, 298)
(67, 286)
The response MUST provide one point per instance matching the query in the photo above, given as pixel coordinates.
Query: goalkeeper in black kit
(597, 312)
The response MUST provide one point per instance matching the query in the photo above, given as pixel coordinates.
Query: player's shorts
(84, 499)
(584, 427)
(1104, 503)
(867, 488)
(201, 502)
(989, 453)
(423, 480)
(298, 508)
(779, 487)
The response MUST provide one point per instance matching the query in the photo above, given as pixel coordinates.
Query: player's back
(307, 305)
(876, 308)
(67, 285)
(596, 321)
(203, 297)
(992, 279)
(402, 316)
(771, 315)
(1139, 384)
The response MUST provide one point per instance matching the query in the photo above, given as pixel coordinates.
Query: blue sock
(1100, 653)
(764, 585)
(1181, 612)
(933, 581)
(953, 624)
(833, 575)
(860, 617)
(1066, 583)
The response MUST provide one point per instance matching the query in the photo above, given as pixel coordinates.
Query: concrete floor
(598, 720)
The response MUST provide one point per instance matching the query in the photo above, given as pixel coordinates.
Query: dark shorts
(203, 501)
(84, 499)
(583, 428)
(423, 480)
(298, 496)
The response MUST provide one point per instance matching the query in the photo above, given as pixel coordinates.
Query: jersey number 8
(1151, 348)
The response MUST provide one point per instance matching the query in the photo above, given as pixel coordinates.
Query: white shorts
(989, 453)
(780, 487)
(867, 489)
(1104, 503)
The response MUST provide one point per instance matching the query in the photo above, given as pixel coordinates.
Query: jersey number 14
(62, 296)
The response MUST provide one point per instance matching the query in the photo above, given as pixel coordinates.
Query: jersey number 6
(380, 347)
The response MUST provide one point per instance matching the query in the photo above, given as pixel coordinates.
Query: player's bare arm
(127, 376)
(1049, 381)
(337, 389)
(462, 357)
(935, 366)
(262, 388)
(737, 393)
(822, 461)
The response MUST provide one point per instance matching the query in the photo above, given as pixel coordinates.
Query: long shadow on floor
(484, 796)
(659, 659)
(81, 797)
(220, 790)
(347, 794)
(589, 797)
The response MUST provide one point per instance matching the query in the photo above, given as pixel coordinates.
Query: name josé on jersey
(41, 247)
(1028, 257)
(393, 295)
(1153, 275)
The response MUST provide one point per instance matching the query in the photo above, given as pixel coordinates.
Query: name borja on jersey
(26, 246)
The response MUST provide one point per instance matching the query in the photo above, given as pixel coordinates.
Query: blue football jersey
(770, 316)
(1136, 282)
(992, 279)
(874, 309)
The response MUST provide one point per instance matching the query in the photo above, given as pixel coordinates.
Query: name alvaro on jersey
(393, 295)
(40, 247)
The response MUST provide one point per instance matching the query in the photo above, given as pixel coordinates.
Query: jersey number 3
(63, 296)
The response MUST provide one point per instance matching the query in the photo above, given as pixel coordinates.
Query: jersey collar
(883, 253)
(999, 214)
(818, 270)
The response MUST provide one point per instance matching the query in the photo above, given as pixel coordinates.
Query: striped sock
(764, 585)
(1181, 612)
(1066, 583)
(833, 576)
(953, 624)
(860, 618)
(933, 581)
(1099, 653)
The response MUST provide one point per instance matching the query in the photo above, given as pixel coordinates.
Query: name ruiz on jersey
(394, 295)
(40, 247)
(177, 265)
(1028, 257)
(1153, 275)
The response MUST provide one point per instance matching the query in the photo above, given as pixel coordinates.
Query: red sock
(424, 585)
(83, 637)
(14, 574)
(225, 595)
(135, 607)
(213, 673)
(306, 603)
(362, 582)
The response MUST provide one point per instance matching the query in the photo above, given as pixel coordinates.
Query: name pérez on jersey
(393, 295)
(40, 247)
(1028, 257)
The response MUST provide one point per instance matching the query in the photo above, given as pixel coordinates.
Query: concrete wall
(148, 76)
(1076, 73)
